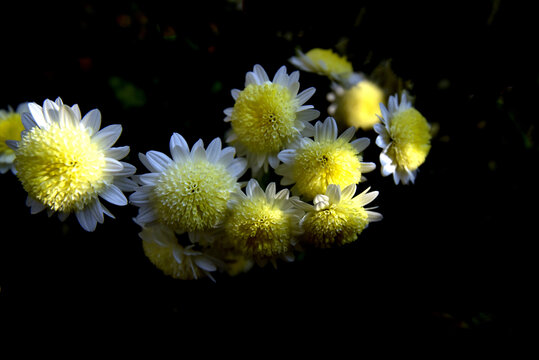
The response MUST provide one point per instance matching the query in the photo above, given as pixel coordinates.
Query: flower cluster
(207, 208)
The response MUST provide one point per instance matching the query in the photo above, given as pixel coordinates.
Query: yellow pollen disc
(263, 117)
(10, 129)
(163, 258)
(325, 162)
(61, 167)
(337, 225)
(258, 229)
(335, 64)
(192, 196)
(359, 105)
(410, 134)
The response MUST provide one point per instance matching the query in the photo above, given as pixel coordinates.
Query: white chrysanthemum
(336, 218)
(66, 163)
(262, 225)
(267, 116)
(188, 192)
(404, 135)
(161, 246)
(311, 165)
(10, 129)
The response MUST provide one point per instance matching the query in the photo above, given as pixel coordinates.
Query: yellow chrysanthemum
(404, 135)
(10, 129)
(262, 225)
(358, 106)
(65, 163)
(313, 165)
(267, 116)
(161, 246)
(190, 191)
(324, 62)
(337, 218)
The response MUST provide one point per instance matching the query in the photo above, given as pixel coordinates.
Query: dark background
(453, 253)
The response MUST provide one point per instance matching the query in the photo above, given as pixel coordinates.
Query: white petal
(214, 150)
(273, 161)
(117, 153)
(305, 95)
(235, 93)
(281, 76)
(141, 196)
(365, 198)
(92, 121)
(28, 121)
(86, 219)
(228, 111)
(127, 170)
(12, 144)
(237, 167)
(76, 111)
(158, 160)
(51, 112)
(198, 152)
(227, 155)
(112, 166)
(178, 140)
(114, 195)
(107, 136)
(260, 73)
(348, 134)
(252, 185)
(144, 160)
(287, 155)
(37, 114)
(334, 193)
(367, 167)
(97, 212)
(373, 216)
(348, 192)
(251, 78)
(204, 263)
(146, 215)
(270, 191)
(360, 144)
(125, 184)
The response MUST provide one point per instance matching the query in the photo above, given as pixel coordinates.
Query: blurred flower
(404, 135)
(262, 225)
(336, 218)
(10, 129)
(188, 192)
(323, 62)
(314, 164)
(357, 106)
(162, 248)
(268, 116)
(65, 163)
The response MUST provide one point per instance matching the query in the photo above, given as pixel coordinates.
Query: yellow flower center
(359, 105)
(258, 229)
(10, 129)
(263, 117)
(192, 196)
(325, 162)
(335, 63)
(410, 134)
(61, 167)
(336, 225)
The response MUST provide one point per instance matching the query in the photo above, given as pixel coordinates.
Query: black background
(453, 253)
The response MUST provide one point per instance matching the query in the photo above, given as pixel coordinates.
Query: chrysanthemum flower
(267, 116)
(262, 225)
(188, 192)
(404, 135)
(10, 129)
(65, 163)
(357, 106)
(314, 164)
(323, 62)
(162, 248)
(336, 218)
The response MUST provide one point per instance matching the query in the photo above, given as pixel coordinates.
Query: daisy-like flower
(10, 129)
(162, 248)
(190, 191)
(404, 135)
(357, 106)
(262, 225)
(66, 163)
(314, 164)
(323, 62)
(267, 116)
(336, 218)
